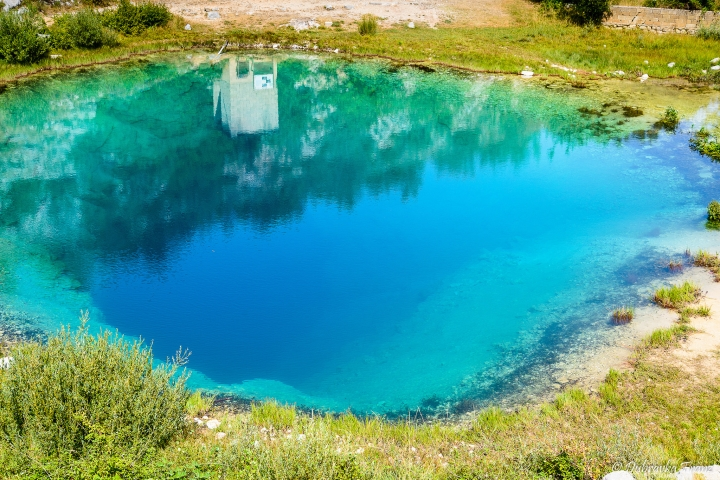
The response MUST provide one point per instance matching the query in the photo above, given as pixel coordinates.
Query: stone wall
(660, 20)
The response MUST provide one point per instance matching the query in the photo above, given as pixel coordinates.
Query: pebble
(411, 25)
(671, 64)
(213, 424)
(619, 475)
(715, 60)
(188, 27)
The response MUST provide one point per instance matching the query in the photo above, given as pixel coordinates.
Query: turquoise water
(336, 234)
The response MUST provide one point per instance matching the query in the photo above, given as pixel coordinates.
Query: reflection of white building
(245, 98)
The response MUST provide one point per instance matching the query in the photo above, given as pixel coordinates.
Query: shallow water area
(339, 234)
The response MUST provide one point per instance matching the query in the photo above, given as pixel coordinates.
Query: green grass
(677, 296)
(199, 403)
(536, 43)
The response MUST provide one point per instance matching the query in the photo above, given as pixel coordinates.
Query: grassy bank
(537, 42)
(112, 414)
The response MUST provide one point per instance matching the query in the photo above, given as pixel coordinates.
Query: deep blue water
(335, 234)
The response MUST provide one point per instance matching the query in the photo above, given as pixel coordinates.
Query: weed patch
(677, 296)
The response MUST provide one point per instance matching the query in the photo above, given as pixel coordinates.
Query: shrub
(22, 37)
(368, 25)
(711, 32)
(135, 19)
(83, 30)
(561, 466)
(80, 394)
(623, 315)
(714, 212)
(589, 12)
(670, 120)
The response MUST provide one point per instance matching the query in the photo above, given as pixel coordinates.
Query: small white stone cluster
(211, 424)
(687, 473)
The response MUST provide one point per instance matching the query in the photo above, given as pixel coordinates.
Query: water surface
(335, 234)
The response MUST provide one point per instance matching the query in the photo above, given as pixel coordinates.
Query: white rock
(527, 73)
(619, 475)
(411, 25)
(328, 24)
(188, 27)
(695, 473)
(55, 56)
(644, 77)
(348, 7)
(11, 4)
(715, 67)
(715, 60)
(619, 72)
(329, 7)
(646, 62)
(205, 417)
(671, 64)
(220, 435)
(213, 424)
(5, 362)
(213, 16)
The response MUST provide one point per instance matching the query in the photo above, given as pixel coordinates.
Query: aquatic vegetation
(83, 29)
(670, 120)
(675, 266)
(706, 144)
(677, 296)
(368, 25)
(714, 212)
(134, 19)
(623, 315)
(79, 394)
(22, 37)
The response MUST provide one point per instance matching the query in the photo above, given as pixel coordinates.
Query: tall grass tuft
(273, 415)
(81, 395)
(368, 25)
(677, 296)
(199, 403)
(623, 315)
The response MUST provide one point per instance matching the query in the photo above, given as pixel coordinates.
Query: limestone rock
(220, 435)
(213, 16)
(213, 424)
(619, 475)
(644, 77)
(188, 27)
(671, 64)
(715, 67)
(715, 60)
(411, 25)
(694, 473)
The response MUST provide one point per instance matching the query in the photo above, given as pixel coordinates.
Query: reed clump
(677, 296)
(623, 315)
(708, 260)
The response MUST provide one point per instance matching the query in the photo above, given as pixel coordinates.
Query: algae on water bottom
(337, 234)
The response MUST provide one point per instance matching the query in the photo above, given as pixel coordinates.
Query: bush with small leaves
(80, 394)
(82, 30)
(131, 19)
(22, 37)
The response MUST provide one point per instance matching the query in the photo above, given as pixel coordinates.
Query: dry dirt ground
(344, 13)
